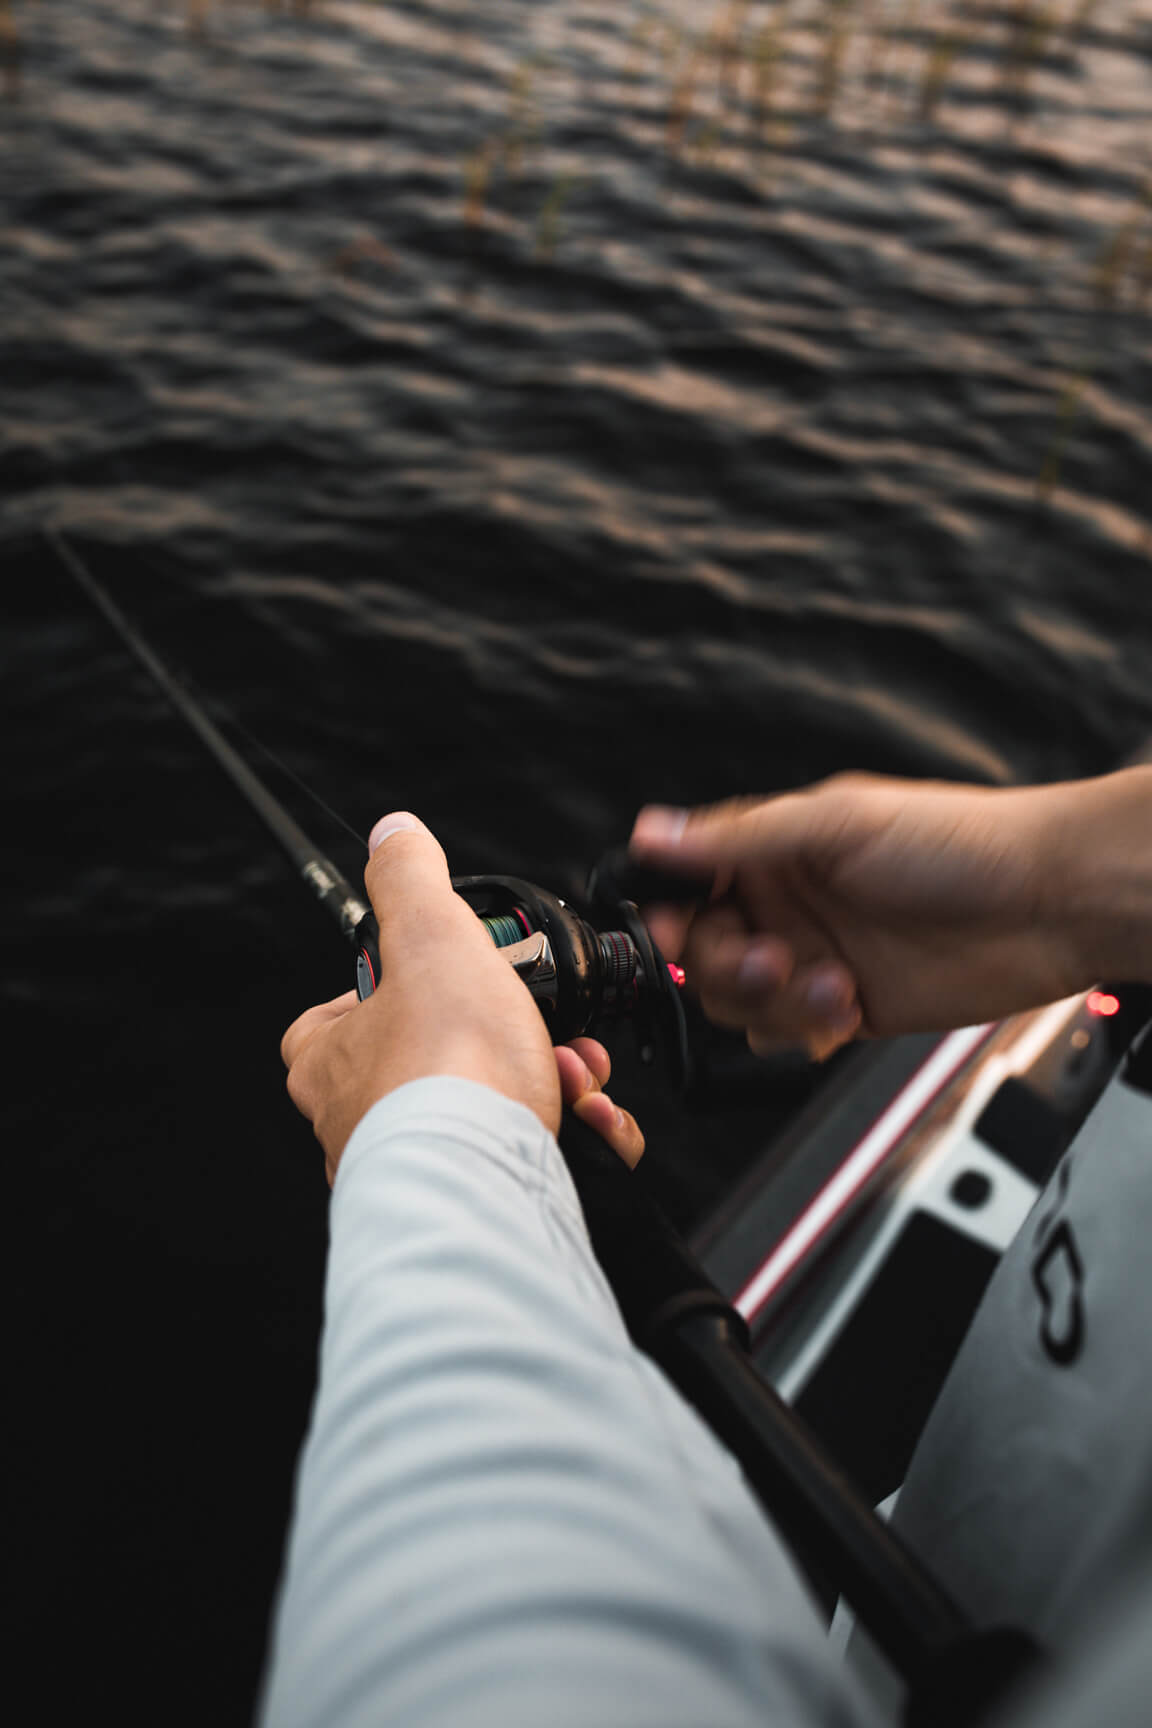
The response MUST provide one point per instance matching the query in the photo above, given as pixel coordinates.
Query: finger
(731, 969)
(738, 977)
(593, 1053)
(820, 1042)
(576, 1077)
(820, 1008)
(411, 891)
(310, 1021)
(617, 1128)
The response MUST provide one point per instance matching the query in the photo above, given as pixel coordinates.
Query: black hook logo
(1058, 1274)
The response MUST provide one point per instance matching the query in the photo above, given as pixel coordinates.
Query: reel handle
(367, 939)
(618, 876)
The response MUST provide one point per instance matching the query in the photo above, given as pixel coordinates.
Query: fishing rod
(579, 971)
(331, 887)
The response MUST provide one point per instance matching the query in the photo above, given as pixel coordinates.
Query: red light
(678, 975)
(1103, 1003)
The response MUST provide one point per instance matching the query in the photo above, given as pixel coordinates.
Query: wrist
(1101, 874)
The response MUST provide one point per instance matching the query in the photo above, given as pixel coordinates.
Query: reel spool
(579, 972)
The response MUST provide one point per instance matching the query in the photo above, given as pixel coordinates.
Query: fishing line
(279, 762)
(331, 887)
(173, 684)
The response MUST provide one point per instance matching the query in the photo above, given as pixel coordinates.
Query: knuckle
(299, 1090)
(847, 789)
(296, 1038)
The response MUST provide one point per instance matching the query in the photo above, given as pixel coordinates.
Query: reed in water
(11, 52)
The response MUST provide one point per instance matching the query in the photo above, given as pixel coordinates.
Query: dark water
(516, 412)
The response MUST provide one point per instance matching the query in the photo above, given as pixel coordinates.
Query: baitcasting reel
(578, 972)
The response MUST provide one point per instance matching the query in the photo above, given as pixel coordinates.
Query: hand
(447, 1004)
(871, 906)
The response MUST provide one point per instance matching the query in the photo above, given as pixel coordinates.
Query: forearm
(1098, 872)
(504, 1514)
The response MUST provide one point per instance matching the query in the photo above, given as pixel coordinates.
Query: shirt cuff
(483, 1122)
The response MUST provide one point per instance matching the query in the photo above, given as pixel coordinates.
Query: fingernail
(620, 1123)
(760, 967)
(399, 819)
(660, 825)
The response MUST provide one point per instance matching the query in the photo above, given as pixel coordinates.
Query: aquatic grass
(830, 62)
(198, 12)
(739, 78)
(766, 55)
(725, 44)
(876, 58)
(523, 117)
(477, 179)
(639, 39)
(705, 140)
(1080, 19)
(1030, 28)
(897, 72)
(1067, 413)
(1125, 257)
(11, 52)
(905, 31)
(1111, 263)
(686, 58)
(674, 38)
(364, 249)
(548, 221)
(1122, 252)
(939, 60)
(681, 102)
(722, 72)
(1142, 274)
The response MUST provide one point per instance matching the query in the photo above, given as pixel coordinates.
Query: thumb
(410, 889)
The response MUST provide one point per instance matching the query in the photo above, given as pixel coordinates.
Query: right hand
(868, 906)
(449, 1004)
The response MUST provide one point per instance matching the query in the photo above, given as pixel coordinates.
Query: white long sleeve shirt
(504, 1513)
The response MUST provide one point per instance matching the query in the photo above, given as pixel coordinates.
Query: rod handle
(655, 1277)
